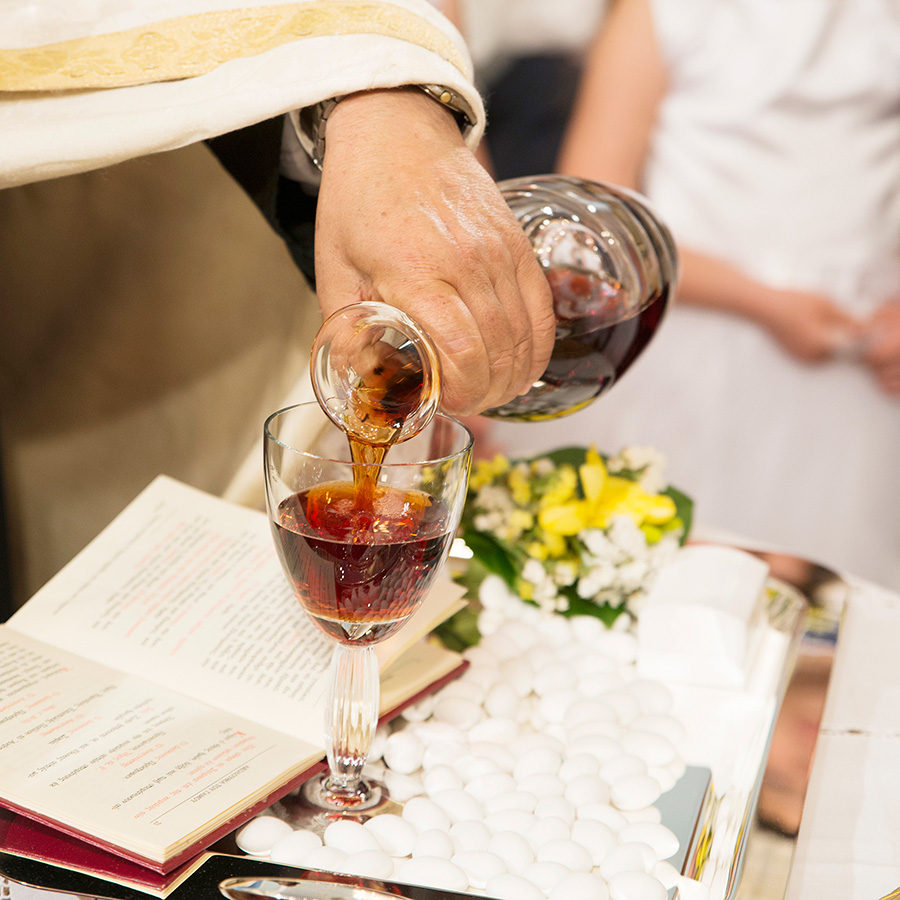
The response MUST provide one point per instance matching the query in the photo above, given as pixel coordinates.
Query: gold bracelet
(313, 119)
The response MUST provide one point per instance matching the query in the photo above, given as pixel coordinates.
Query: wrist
(765, 306)
(421, 111)
(389, 116)
(715, 283)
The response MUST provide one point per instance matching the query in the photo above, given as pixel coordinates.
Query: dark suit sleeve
(252, 157)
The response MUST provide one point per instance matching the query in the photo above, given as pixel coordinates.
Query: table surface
(848, 847)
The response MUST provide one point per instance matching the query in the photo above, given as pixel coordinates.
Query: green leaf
(684, 509)
(469, 575)
(491, 554)
(460, 630)
(578, 606)
(566, 456)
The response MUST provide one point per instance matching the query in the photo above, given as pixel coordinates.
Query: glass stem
(351, 717)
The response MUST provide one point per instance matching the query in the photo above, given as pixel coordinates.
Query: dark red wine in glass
(361, 569)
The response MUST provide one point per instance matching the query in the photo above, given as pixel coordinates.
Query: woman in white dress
(767, 134)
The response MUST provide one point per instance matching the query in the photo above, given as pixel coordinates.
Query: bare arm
(809, 326)
(621, 88)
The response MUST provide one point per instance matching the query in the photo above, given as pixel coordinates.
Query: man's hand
(882, 353)
(407, 216)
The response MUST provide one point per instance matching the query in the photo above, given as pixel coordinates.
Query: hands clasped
(882, 350)
(812, 328)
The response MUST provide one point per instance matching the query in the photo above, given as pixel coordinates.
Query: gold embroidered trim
(197, 44)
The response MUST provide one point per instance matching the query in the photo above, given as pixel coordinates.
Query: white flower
(598, 543)
(489, 620)
(546, 590)
(666, 547)
(653, 480)
(482, 522)
(635, 602)
(631, 575)
(564, 574)
(663, 550)
(599, 577)
(493, 497)
(648, 462)
(494, 593)
(543, 467)
(611, 596)
(534, 572)
(627, 536)
(551, 603)
(546, 596)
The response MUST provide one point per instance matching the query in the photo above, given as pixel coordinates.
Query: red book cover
(23, 833)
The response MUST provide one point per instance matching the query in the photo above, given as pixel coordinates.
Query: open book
(165, 686)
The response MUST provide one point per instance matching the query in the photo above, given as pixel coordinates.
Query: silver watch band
(312, 119)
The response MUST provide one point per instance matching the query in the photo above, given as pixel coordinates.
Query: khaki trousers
(149, 321)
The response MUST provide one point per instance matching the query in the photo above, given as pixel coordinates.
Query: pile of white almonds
(533, 775)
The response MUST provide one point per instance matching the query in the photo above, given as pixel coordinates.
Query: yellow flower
(561, 488)
(593, 475)
(620, 496)
(486, 470)
(499, 464)
(525, 589)
(564, 518)
(555, 544)
(520, 486)
(481, 475)
(605, 496)
(520, 520)
(536, 550)
(660, 509)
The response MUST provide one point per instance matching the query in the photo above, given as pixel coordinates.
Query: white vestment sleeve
(340, 46)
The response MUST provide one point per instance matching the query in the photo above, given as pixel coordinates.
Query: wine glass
(360, 543)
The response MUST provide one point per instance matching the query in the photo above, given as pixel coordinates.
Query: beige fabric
(150, 319)
(299, 54)
(193, 45)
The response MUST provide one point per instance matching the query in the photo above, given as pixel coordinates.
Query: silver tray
(805, 603)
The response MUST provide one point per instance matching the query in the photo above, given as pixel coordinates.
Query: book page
(186, 589)
(415, 671)
(443, 599)
(123, 760)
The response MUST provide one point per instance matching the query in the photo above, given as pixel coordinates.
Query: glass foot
(316, 805)
(327, 793)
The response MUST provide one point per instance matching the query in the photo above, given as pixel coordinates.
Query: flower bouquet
(572, 531)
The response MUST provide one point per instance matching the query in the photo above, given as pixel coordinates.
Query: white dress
(778, 149)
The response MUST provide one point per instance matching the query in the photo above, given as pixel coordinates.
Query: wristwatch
(312, 119)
